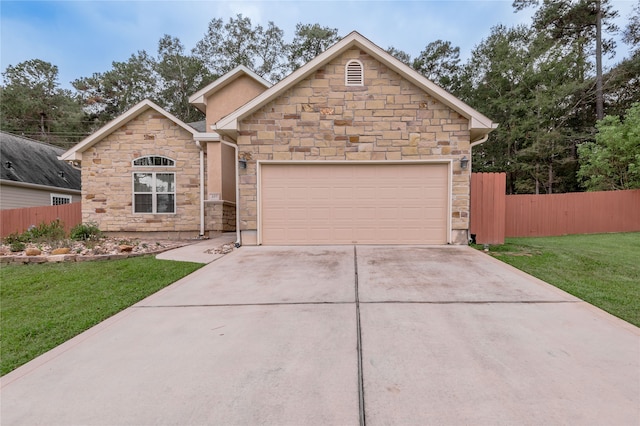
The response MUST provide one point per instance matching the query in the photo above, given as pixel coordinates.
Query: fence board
(572, 213)
(19, 220)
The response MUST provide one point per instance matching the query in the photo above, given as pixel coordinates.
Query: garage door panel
(354, 203)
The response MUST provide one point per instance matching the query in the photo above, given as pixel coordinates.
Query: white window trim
(63, 196)
(349, 81)
(154, 198)
(133, 162)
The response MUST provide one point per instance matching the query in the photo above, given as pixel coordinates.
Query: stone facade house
(354, 147)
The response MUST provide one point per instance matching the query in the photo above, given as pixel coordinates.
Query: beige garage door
(354, 204)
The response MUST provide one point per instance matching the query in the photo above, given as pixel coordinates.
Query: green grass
(44, 305)
(602, 269)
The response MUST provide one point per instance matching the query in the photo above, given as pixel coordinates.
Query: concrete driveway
(343, 336)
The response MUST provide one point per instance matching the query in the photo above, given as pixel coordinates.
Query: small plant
(16, 246)
(13, 238)
(46, 233)
(61, 243)
(85, 232)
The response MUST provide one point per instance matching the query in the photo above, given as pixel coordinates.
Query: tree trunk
(42, 129)
(550, 188)
(599, 93)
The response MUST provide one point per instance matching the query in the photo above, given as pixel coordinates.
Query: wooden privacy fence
(495, 215)
(19, 220)
(572, 213)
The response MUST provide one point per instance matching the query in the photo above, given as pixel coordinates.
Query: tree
(179, 76)
(527, 86)
(109, 94)
(309, 41)
(33, 104)
(577, 26)
(613, 161)
(401, 55)
(226, 46)
(622, 82)
(440, 63)
(269, 49)
(631, 33)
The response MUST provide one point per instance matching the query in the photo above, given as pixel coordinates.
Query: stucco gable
(201, 97)
(75, 153)
(479, 125)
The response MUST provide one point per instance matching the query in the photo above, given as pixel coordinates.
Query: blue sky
(84, 37)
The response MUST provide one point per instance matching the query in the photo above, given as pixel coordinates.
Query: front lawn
(44, 305)
(602, 269)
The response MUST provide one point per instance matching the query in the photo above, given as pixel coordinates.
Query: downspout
(199, 144)
(478, 142)
(235, 148)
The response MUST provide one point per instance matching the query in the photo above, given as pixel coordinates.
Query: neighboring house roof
(75, 153)
(199, 99)
(200, 126)
(26, 162)
(479, 125)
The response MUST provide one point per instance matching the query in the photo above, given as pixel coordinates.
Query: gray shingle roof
(28, 161)
(200, 126)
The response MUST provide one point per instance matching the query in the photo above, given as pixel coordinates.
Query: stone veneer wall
(388, 118)
(107, 175)
(220, 216)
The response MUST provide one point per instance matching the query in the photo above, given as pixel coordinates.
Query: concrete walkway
(204, 251)
(341, 336)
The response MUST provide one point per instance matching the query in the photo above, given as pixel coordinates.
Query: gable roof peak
(199, 99)
(479, 124)
(75, 153)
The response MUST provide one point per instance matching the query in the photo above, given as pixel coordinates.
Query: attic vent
(354, 73)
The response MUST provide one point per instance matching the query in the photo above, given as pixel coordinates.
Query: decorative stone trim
(58, 258)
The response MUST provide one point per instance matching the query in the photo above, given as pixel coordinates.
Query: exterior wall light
(242, 163)
(464, 163)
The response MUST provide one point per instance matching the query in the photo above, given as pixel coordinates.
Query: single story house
(31, 174)
(354, 147)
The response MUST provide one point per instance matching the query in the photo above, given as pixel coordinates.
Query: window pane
(143, 203)
(165, 182)
(166, 203)
(142, 182)
(57, 201)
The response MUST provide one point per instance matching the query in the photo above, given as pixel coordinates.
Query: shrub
(53, 231)
(15, 237)
(16, 246)
(43, 233)
(85, 232)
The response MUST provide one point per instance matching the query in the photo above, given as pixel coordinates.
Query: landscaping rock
(63, 250)
(32, 251)
(61, 258)
(125, 248)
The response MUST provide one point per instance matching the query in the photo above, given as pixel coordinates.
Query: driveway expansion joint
(222, 305)
(363, 421)
(470, 302)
